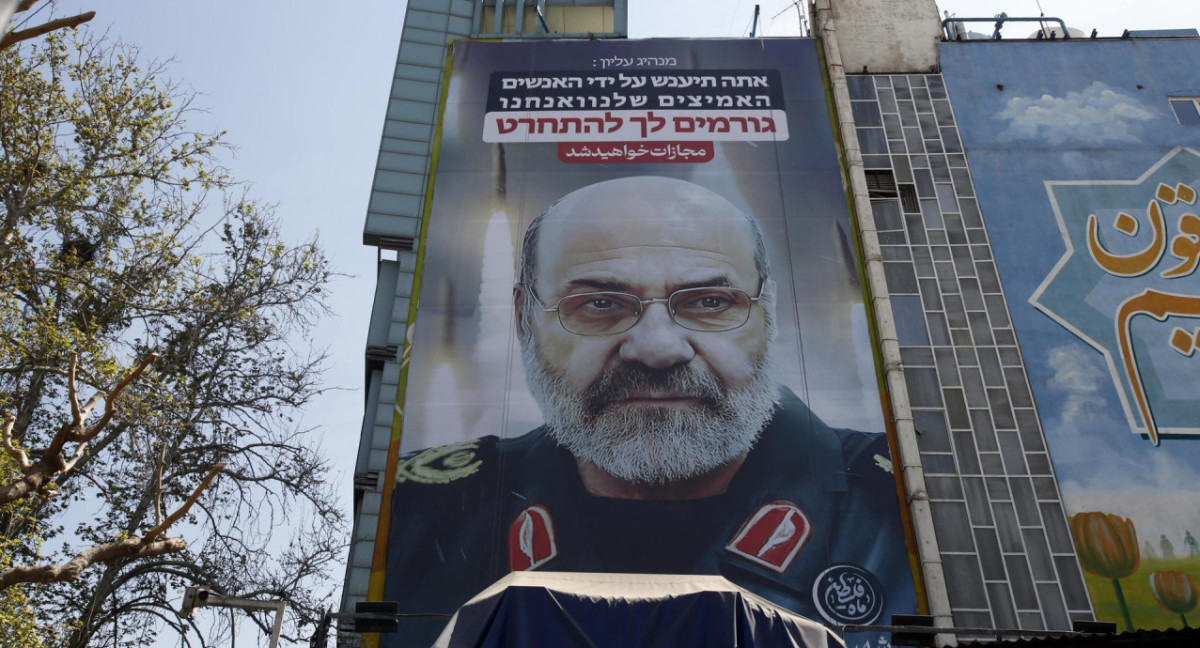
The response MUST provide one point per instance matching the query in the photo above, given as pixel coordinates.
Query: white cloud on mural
(1095, 453)
(1081, 379)
(1096, 114)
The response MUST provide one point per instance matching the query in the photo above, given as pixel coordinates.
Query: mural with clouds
(1088, 185)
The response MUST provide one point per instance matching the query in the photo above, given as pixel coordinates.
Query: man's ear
(768, 305)
(519, 316)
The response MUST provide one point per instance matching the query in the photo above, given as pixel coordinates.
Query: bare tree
(123, 240)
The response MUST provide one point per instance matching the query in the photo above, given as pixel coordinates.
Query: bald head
(642, 208)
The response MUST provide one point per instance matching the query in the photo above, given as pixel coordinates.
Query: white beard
(652, 445)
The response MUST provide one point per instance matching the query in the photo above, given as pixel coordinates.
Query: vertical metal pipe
(912, 473)
(620, 17)
(477, 19)
(277, 627)
(498, 22)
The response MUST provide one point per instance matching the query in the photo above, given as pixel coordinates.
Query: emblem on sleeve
(773, 536)
(440, 465)
(848, 595)
(531, 541)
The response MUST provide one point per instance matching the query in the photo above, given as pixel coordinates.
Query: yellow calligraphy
(1129, 265)
(1185, 246)
(1158, 305)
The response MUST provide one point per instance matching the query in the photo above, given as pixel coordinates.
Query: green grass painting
(1144, 611)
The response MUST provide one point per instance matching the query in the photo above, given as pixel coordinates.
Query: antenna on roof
(804, 30)
(1000, 18)
(1042, 14)
(754, 24)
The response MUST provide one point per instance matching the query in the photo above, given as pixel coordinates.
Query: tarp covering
(568, 610)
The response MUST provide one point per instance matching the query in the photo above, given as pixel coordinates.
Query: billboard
(640, 344)
(1087, 176)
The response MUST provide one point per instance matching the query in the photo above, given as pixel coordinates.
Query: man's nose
(656, 341)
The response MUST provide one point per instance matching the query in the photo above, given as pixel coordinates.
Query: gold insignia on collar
(441, 465)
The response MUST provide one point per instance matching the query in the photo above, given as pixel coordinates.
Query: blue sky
(303, 94)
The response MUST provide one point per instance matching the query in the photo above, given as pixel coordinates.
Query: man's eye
(601, 303)
(707, 303)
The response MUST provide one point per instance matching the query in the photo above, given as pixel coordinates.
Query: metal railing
(999, 21)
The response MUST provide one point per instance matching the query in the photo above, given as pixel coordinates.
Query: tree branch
(143, 547)
(182, 510)
(13, 451)
(73, 391)
(110, 403)
(107, 552)
(25, 34)
(36, 476)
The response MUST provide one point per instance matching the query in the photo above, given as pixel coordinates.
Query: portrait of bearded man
(645, 314)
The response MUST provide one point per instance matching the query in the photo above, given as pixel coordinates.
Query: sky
(303, 95)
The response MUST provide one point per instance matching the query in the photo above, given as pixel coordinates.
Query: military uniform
(809, 522)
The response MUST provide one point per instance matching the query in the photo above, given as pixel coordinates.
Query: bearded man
(646, 313)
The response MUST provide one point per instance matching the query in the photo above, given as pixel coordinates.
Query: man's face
(658, 403)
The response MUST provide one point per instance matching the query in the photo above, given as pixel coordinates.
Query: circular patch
(440, 465)
(848, 595)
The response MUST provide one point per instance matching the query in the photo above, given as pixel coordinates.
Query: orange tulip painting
(1107, 546)
(1175, 591)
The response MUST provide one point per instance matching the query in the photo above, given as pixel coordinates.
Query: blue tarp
(569, 610)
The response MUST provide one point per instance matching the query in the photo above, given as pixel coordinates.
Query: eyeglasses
(710, 309)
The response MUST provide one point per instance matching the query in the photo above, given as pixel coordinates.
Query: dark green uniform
(809, 522)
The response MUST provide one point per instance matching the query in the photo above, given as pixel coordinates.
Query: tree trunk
(82, 635)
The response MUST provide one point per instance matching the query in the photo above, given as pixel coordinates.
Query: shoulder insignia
(441, 465)
(848, 595)
(773, 536)
(884, 463)
(531, 541)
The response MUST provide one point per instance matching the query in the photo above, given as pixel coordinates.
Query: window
(881, 184)
(1186, 111)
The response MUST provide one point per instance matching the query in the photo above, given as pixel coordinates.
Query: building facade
(1012, 294)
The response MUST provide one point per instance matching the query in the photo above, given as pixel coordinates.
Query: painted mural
(1088, 182)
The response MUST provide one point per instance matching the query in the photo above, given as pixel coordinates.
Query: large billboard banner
(640, 344)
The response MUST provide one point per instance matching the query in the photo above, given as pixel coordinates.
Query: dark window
(908, 198)
(1186, 112)
(881, 184)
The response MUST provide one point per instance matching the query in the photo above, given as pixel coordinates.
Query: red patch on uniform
(773, 536)
(531, 542)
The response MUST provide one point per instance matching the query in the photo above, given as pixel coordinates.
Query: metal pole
(280, 606)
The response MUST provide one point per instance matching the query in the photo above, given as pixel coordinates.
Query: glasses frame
(642, 303)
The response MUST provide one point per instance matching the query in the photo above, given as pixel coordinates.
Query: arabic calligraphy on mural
(1183, 244)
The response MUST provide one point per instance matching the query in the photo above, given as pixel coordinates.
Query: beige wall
(887, 36)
